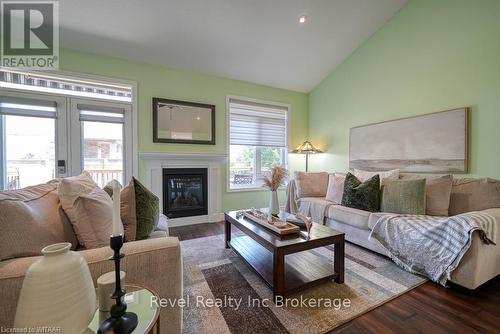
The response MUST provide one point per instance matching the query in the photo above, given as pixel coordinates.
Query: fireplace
(185, 192)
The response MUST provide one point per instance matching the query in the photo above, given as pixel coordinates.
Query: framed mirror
(183, 122)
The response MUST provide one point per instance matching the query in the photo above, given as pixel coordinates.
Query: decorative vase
(274, 206)
(57, 291)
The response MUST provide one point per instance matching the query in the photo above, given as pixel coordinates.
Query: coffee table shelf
(302, 270)
(284, 262)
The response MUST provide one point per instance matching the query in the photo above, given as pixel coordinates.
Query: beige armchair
(153, 263)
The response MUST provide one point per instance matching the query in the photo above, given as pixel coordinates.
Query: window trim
(228, 144)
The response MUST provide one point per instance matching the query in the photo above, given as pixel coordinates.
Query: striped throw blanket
(432, 246)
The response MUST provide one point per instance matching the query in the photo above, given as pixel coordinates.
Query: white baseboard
(184, 221)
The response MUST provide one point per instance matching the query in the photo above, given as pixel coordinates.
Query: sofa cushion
(31, 218)
(474, 195)
(374, 217)
(89, 208)
(158, 234)
(335, 188)
(314, 207)
(311, 184)
(361, 195)
(403, 196)
(350, 216)
(364, 175)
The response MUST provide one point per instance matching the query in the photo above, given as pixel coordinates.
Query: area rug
(224, 295)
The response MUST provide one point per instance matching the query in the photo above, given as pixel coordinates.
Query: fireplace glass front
(185, 192)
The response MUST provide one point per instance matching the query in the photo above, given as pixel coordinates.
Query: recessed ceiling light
(198, 118)
(302, 19)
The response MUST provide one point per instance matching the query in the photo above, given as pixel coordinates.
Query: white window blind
(101, 113)
(27, 107)
(257, 124)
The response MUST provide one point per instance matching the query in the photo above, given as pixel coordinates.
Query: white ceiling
(258, 41)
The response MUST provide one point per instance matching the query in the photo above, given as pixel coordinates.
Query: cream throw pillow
(474, 195)
(438, 191)
(128, 211)
(30, 219)
(311, 184)
(89, 208)
(364, 175)
(335, 188)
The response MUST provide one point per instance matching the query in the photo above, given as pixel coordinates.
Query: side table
(138, 299)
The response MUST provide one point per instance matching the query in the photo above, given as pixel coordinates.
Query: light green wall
(433, 55)
(158, 81)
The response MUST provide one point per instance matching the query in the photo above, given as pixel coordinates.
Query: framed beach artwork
(430, 143)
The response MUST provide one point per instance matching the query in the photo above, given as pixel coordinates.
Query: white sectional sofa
(480, 264)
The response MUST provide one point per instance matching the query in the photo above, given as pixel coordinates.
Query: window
(102, 135)
(28, 128)
(47, 135)
(257, 141)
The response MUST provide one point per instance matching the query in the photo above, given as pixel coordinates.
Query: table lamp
(307, 148)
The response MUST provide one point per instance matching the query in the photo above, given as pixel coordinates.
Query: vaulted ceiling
(259, 41)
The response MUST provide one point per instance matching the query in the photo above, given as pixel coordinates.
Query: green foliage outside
(270, 157)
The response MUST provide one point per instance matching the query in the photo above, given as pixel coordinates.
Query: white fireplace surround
(154, 164)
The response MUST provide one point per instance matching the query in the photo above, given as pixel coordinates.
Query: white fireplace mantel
(155, 162)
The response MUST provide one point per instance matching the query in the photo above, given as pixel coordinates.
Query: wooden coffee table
(266, 251)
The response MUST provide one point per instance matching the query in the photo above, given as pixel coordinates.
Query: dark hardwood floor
(429, 308)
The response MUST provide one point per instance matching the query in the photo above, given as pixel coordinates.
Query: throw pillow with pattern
(362, 195)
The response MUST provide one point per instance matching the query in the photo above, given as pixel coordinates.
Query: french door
(46, 136)
(103, 148)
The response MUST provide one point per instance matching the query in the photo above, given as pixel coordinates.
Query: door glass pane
(103, 151)
(29, 151)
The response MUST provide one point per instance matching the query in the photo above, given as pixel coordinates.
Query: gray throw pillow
(404, 196)
(361, 195)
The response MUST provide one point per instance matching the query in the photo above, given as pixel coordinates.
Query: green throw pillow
(403, 196)
(361, 195)
(147, 208)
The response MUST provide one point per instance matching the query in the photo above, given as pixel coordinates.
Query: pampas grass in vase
(278, 175)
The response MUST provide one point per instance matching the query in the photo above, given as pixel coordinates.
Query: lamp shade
(307, 147)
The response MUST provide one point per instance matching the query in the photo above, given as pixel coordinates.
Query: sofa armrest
(291, 197)
(495, 212)
(481, 262)
(153, 263)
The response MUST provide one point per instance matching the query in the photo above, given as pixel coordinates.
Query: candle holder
(121, 321)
